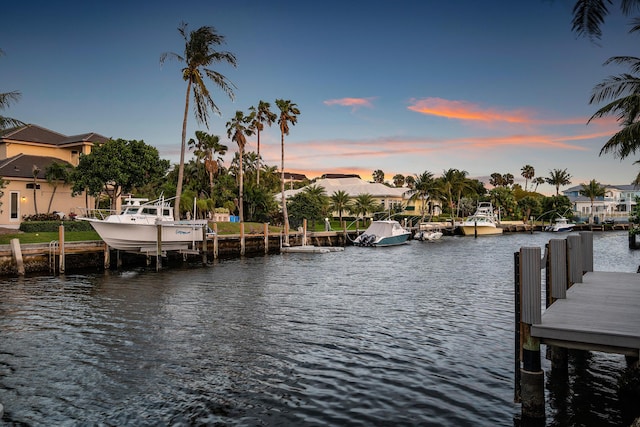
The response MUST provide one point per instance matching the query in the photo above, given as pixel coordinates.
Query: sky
(404, 87)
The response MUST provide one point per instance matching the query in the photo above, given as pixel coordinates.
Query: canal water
(419, 334)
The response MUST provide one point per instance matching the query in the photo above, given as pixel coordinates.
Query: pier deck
(601, 313)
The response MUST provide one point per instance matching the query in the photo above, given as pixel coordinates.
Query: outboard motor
(371, 239)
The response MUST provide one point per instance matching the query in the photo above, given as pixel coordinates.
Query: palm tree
(558, 177)
(259, 117)
(35, 170)
(454, 182)
(378, 176)
(55, 174)
(5, 100)
(537, 181)
(588, 15)
(363, 204)
(398, 180)
(340, 201)
(199, 53)
(288, 115)
(528, 172)
(237, 131)
(205, 148)
(424, 187)
(592, 190)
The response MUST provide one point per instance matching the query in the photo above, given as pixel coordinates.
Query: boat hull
(470, 230)
(144, 237)
(392, 240)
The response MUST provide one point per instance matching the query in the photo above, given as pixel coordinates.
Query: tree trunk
(240, 186)
(53, 193)
(285, 216)
(258, 169)
(176, 207)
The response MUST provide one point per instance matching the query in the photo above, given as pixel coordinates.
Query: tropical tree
(199, 54)
(57, 173)
(237, 131)
(537, 181)
(35, 171)
(410, 180)
(589, 15)
(288, 115)
(118, 167)
(205, 147)
(496, 180)
(340, 201)
(378, 176)
(558, 177)
(398, 180)
(592, 190)
(425, 186)
(528, 172)
(454, 183)
(363, 204)
(258, 118)
(5, 101)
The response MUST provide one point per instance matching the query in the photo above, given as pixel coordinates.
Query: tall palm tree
(35, 171)
(199, 54)
(288, 115)
(340, 201)
(398, 180)
(205, 147)
(425, 186)
(588, 15)
(378, 176)
(558, 177)
(537, 181)
(57, 173)
(237, 131)
(453, 183)
(362, 205)
(592, 190)
(259, 117)
(5, 100)
(528, 172)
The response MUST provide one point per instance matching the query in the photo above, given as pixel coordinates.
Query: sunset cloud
(464, 110)
(354, 103)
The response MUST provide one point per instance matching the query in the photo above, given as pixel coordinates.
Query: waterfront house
(617, 202)
(25, 154)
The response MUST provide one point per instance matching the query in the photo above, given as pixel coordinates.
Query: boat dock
(585, 310)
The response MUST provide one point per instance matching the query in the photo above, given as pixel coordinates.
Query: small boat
(144, 226)
(428, 232)
(560, 224)
(383, 233)
(483, 222)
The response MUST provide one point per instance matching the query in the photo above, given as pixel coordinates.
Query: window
(30, 186)
(15, 205)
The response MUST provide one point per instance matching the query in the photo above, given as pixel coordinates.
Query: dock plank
(601, 313)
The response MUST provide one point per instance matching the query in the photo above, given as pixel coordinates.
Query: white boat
(383, 233)
(428, 232)
(560, 224)
(483, 222)
(140, 223)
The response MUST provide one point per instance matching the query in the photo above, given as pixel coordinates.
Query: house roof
(294, 176)
(40, 135)
(353, 187)
(22, 166)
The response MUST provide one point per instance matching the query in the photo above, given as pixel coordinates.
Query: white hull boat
(147, 227)
(383, 233)
(482, 223)
(560, 224)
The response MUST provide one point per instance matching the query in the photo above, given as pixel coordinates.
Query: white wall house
(617, 202)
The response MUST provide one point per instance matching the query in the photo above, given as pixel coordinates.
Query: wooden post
(159, 247)
(61, 247)
(266, 238)
(204, 244)
(574, 259)
(215, 240)
(557, 289)
(107, 257)
(17, 255)
(242, 248)
(304, 232)
(586, 241)
(344, 228)
(531, 373)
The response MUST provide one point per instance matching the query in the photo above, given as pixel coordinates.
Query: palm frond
(623, 143)
(588, 16)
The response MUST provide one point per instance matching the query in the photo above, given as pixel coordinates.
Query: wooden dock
(585, 310)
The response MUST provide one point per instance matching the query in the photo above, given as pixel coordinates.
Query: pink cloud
(354, 103)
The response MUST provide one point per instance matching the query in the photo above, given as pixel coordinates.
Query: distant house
(390, 198)
(618, 201)
(25, 154)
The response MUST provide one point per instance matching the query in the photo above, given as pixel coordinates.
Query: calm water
(420, 334)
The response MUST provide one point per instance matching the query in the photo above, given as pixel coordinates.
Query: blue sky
(405, 87)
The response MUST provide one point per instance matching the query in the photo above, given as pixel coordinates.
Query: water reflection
(416, 334)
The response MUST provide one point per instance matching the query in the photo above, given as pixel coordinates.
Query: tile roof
(38, 134)
(22, 165)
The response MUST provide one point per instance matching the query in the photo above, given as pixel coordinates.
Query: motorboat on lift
(428, 232)
(383, 233)
(560, 224)
(143, 226)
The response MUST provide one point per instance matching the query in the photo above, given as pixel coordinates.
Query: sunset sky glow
(405, 87)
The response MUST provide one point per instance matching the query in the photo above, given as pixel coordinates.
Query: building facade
(617, 202)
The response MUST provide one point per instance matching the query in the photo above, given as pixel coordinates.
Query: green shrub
(44, 226)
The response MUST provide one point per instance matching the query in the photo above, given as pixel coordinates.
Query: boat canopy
(384, 228)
